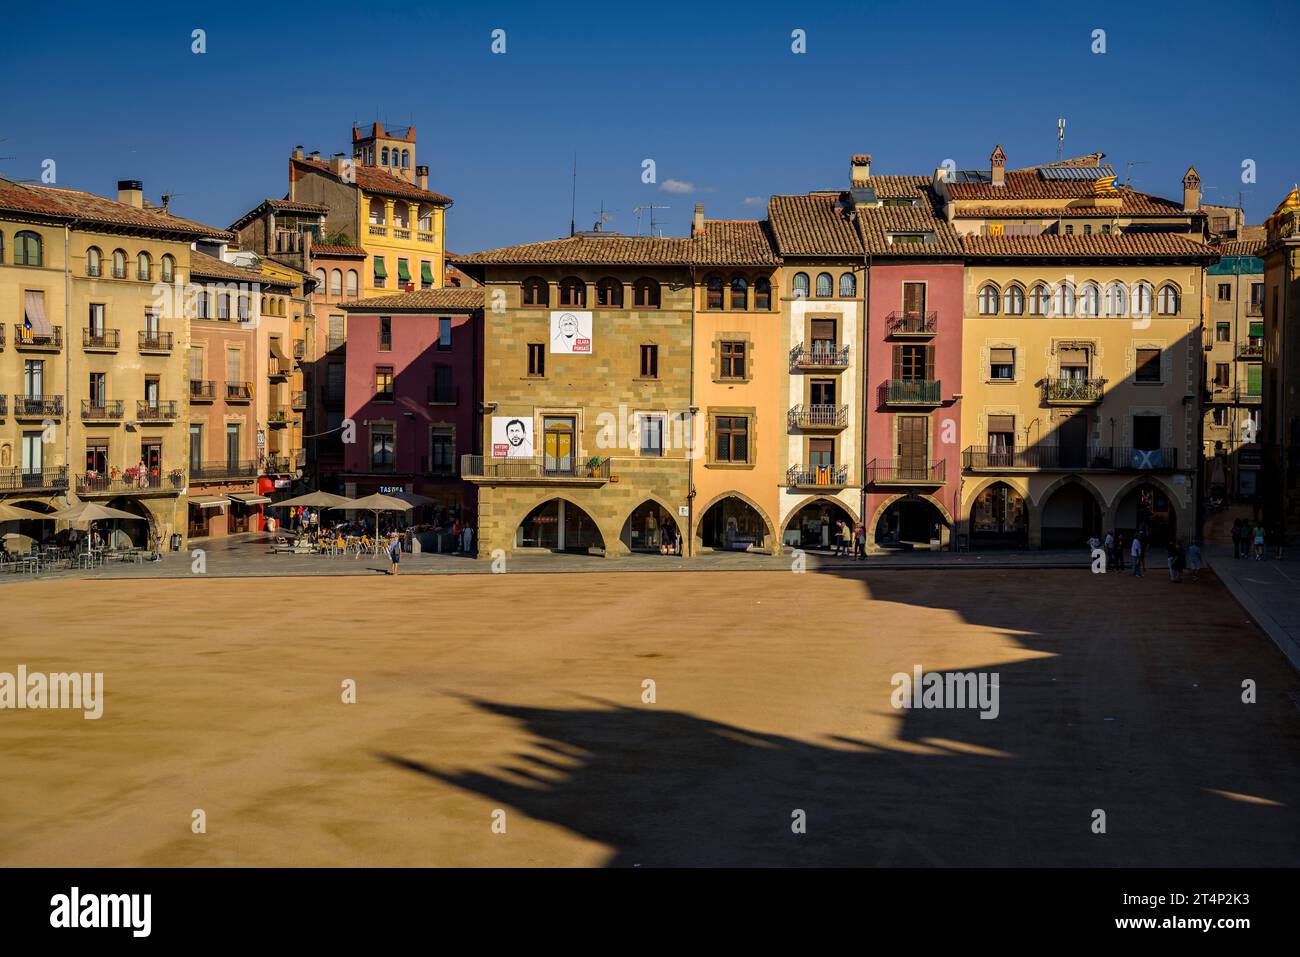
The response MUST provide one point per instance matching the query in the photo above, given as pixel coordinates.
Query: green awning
(1257, 330)
(403, 271)
(1254, 379)
(426, 272)
(380, 271)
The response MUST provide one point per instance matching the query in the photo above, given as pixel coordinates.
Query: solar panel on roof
(971, 176)
(1075, 172)
(863, 194)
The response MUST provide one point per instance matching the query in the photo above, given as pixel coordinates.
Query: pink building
(914, 343)
(413, 393)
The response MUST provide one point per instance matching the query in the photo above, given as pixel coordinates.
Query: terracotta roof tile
(877, 223)
(278, 206)
(80, 205)
(607, 250)
(1104, 246)
(378, 181)
(209, 267)
(324, 249)
(814, 224)
(1132, 203)
(738, 242)
(1239, 247)
(452, 298)
(1022, 184)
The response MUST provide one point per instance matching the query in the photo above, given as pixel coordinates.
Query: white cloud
(677, 186)
(755, 201)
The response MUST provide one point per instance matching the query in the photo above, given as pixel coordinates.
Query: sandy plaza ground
(522, 695)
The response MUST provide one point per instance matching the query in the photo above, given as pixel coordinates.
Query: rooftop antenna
(1060, 138)
(602, 217)
(1128, 175)
(573, 198)
(653, 224)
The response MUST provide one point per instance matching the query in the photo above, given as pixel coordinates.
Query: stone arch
(1001, 537)
(1182, 525)
(1041, 498)
(813, 499)
(769, 527)
(882, 509)
(134, 533)
(606, 534)
(656, 500)
(1039, 503)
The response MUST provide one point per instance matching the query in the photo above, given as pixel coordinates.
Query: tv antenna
(573, 198)
(1060, 138)
(1128, 174)
(654, 224)
(602, 217)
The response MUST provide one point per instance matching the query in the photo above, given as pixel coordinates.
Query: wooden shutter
(929, 363)
(1002, 357)
(898, 362)
(914, 298)
(1002, 423)
(1074, 357)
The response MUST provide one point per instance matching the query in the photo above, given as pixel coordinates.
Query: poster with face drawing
(571, 333)
(512, 437)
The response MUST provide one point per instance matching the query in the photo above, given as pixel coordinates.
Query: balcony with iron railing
(914, 392)
(103, 410)
(156, 410)
(277, 369)
(1244, 395)
(26, 340)
(298, 402)
(38, 406)
(912, 325)
(202, 390)
(275, 464)
(900, 472)
(101, 340)
(18, 479)
(211, 471)
(4, 406)
(1251, 348)
(1220, 393)
(1069, 391)
(567, 470)
(810, 417)
(817, 476)
(157, 342)
(132, 481)
(299, 348)
(819, 356)
(239, 392)
(280, 417)
(1050, 458)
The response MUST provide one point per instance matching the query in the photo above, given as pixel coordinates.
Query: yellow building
(1082, 315)
(93, 377)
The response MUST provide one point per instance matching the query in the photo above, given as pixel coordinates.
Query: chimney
(860, 170)
(422, 176)
(697, 220)
(130, 192)
(999, 161)
(297, 152)
(1192, 190)
(314, 155)
(336, 165)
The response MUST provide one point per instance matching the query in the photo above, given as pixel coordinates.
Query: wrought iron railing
(899, 472)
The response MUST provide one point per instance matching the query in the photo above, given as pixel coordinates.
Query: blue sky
(710, 91)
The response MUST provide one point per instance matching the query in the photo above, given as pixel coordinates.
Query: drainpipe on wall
(864, 389)
(67, 358)
(689, 537)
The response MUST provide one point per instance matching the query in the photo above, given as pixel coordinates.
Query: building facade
(1280, 409)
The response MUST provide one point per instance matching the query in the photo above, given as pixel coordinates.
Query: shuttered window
(1148, 365)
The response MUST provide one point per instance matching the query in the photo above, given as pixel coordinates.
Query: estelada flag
(1105, 186)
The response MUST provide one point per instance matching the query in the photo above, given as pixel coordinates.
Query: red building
(413, 394)
(914, 343)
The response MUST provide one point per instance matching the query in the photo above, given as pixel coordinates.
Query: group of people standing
(1179, 557)
(850, 540)
(1249, 539)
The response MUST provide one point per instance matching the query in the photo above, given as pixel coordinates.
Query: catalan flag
(1292, 201)
(1105, 186)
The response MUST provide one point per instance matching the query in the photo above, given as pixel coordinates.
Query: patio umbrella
(379, 503)
(315, 500)
(413, 498)
(12, 513)
(93, 512)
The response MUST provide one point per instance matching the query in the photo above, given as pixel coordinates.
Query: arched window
(825, 285)
(119, 263)
(384, 156)
(168, 268)
(800, 286)
(1038, 300)
(143, 267)
(1116, 300)
(1168, 301)
(27, 248)
(573, 292)
(352, 282)
(336, 282)
(94, 261)
(609, 294)
(1089, 300)
(988, 301)
(1063, 300)
(536, 292)
(645, 293)
(739, 293)
(1013, 301)
(377, 212)
(713, 293)
(1140, 301)
(401, 216)
(426, 218)
(406, 158)
(762, 293)
(848, 286)
(320, 279)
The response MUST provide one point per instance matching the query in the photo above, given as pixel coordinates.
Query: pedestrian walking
(1137, 556)
(1259, 543)
(467, 539)
(394, 554)
(1194, 560)
(860, 542)
(1174, 561)
(1109, 546)
(846, 540)
(1236, 538)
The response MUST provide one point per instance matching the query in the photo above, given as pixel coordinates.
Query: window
(401, 216)
(732, 360)
(1038, 300)
(98, 388)
(143, 267)
(1219, 415)
(649, 361)
(383, 156)
(1116, 300)
(536, 359)
(426, 274)
(848, 286)
(385, 334)
(27, 249)
(95, 321)
(336, 282)
(381, 272)
(94, 261)
(536, 292)
(403, 271)
(352, 282)
(1148, 365)
(914, 300)
(1221, 375)
(1069, 230)
(378, 212)
(1256, 299)
(1002, 365)
(1089, 300)
(1224, 292)
(1141, 304)
(609, 294)
(913, 363)
(202, 305)
(825, 285)
(988, 301)
(1087, 229)
(800, 285)
(1146, 432)
(243, 305)
(645, 294)
(713, 293)
(384, 383)
(762, 293)
(442, 450)
(381, 447)
(1167, 302)
(406, 158)
(1063, 300)
(1254, 379)
(444, 333)
(223, 305)
(424, 218)
(97, 455)
(444, 384)
(1001, 439)
(1073, 365)
(1223, 332)
(33, 378)
(573, 292)
(732, 433)
(168, 268)
(1013, 301)
(739, 293)
(119, 263)
(652, 434)
(822, 333)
